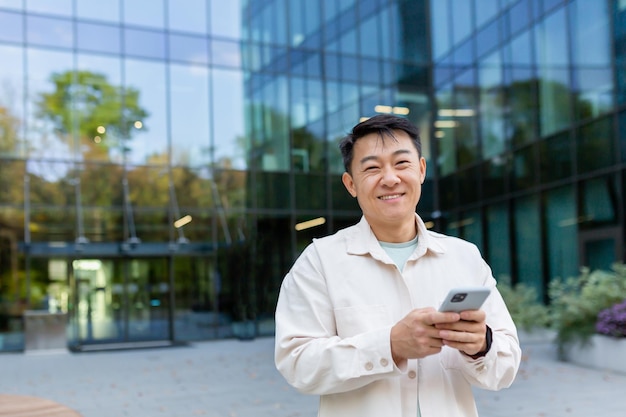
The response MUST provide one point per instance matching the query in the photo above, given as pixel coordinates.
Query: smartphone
(461, 299)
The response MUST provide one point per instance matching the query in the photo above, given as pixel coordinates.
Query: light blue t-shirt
(399, 252)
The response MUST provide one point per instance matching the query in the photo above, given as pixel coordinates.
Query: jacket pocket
(360, 319)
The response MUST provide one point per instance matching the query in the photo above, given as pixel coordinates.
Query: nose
(389, 177)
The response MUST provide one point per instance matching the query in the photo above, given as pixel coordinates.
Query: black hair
(384, 125)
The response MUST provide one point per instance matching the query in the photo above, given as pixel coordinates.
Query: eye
(403, 163)
(370, 168)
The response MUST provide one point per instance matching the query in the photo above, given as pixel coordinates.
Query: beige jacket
(334, 316)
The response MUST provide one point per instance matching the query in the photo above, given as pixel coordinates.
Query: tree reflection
(84, 104)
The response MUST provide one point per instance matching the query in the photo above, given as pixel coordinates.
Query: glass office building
(163, 162)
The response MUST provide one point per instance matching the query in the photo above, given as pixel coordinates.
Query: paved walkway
(232, 378)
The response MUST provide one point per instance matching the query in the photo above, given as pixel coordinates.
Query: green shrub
(576, 301)
(523, 303)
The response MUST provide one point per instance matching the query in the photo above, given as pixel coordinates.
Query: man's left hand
(467, 334)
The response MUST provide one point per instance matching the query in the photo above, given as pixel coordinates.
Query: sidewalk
(232, 378)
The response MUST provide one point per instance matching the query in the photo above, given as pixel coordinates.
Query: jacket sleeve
(308, 352)
(497, 369)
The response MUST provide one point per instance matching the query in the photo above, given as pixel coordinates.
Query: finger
(473, 315)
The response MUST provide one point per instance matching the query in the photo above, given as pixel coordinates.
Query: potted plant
(605, 349)
(576, 304)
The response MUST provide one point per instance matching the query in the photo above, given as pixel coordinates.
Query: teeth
(389, 197)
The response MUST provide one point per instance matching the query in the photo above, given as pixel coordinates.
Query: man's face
(386, 179)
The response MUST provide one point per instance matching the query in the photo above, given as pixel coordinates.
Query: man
(357, 320)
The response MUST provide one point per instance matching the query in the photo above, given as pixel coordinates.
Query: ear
(422, 169)
(348, 183)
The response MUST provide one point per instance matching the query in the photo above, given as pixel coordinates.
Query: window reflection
(49, 31)
(136, 13)
(11, 102)
(226, 18)
(189, 103)
(191, 49)
(225, 53)
(528, 242)
(229, 140)
(98, 10)
(190, 18)
(98, 38)
(144, 43)
(12, 4)
(61, 7)
(11, 27)
(43, 139)
(149, 140)
(498, 239)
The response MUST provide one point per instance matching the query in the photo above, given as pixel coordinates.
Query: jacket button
(412, 374)
(384, 362)
(369, 366)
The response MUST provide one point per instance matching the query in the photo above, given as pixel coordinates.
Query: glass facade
(157, 163)
(529, 120)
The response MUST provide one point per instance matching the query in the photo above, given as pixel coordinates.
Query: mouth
(390, 196)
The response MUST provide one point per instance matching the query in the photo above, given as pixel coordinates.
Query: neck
(395, 232)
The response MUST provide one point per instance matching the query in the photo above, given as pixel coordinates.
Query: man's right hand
(415, 336)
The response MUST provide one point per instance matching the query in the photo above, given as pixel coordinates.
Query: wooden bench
(25, 406)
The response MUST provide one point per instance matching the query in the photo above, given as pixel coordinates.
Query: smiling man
(357, 320)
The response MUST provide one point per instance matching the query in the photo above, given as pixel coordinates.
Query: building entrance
(119, 301)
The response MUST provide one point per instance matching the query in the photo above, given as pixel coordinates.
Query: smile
(390, 197)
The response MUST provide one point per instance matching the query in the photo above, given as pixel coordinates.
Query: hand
(467, 334)
(417, 334)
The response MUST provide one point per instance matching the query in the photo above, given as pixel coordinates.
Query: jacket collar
(361, 240)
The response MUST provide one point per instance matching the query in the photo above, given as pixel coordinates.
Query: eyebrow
(374, 157)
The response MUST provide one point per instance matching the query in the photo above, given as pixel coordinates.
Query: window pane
(499, 240)
(472, 228)
(49, 32)
(556, 157)
(49, 133)
(145, 89)
(144, 43)
(98, 106)
(225, 53)
(491, 98)
(599, 205)
(595, 146)
(11, 27)
(98, 38)
(229, 140)
(192, 17)
(12, 195)
(486, 10)
(552, 60)
(528, 243)
(189, 100)
(439, 19)
(461, 19)
(562, 234)
(192, 49)
(524, 168)
(226, 18)
(12, 4)
(136, 13)
(108, 10)
(61, 7)
(11, 102)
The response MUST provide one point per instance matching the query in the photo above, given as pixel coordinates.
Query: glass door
(120, 300)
